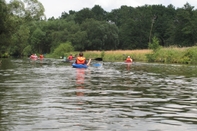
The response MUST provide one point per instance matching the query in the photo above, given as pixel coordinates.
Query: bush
(63, 49)
(191, 55)
(154, 45)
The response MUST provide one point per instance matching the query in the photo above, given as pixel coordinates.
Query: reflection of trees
(6, 64)
(19, 97)
(4, 117)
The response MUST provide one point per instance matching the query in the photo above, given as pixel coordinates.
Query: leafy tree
(101, 35)
(34, 10)
(99, 13)
(154, 45)
(83, 14)
(79, 40)
(20, 40)
(36, 40)
(63, 48)
(185, 31)
(5, 27)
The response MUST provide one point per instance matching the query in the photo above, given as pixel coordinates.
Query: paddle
(98, 59)
(97, 64)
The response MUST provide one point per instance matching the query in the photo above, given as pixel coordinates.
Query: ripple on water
(54, 96)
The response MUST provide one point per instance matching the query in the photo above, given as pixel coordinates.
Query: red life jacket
(70, 57)
(81, 60)
(33, 57)
(41, 56)
(128, 60)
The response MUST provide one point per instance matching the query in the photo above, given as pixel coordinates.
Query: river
(52, 96)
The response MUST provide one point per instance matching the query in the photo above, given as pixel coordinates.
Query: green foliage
(103, 54)
(154, 45)
(36, 40)
(23, 25)
(20, 38)
(27, 50)
(63, 49)
(174, 55)
(191, 55)
(100, 35)
(83, 14)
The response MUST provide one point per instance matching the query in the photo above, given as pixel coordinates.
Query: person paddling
(70, 57)
(41, 56)
(82, 60)
(129, 59)
(34, 57)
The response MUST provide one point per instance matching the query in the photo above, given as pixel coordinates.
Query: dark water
(53, 96)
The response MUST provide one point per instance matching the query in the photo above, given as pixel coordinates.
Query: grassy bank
(119, 55)
(163, 55)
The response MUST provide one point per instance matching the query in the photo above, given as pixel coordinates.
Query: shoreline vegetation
(184, 55)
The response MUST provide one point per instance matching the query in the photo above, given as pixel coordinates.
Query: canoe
(79, 65)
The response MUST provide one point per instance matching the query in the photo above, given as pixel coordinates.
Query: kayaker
(70, 57)
(80, 59)
(34, 56)
(41, 56)
(128, 59)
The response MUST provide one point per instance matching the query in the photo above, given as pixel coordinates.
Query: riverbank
(186, 55)
(119, 55)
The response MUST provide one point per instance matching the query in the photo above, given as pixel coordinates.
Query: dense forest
(24, 28)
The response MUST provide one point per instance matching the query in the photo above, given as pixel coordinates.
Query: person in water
(70, 57)
(41, 56)
(128, 59)
(82, 60)
(34, 56)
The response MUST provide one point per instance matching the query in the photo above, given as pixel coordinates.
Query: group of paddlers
(35, 57)
(80, 59)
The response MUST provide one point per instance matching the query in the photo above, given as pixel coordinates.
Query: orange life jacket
(80, 60)
(128, 60)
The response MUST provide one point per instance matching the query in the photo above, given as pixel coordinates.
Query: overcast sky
(56, 7)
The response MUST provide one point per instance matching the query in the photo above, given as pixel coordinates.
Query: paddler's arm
(89, 62)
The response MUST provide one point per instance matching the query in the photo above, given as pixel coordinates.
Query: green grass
(164, 55)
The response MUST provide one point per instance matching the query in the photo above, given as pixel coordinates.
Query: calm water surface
(53, 96)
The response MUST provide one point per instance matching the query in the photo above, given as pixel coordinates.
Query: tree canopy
(24, 28)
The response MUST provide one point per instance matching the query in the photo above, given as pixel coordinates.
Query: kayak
(79, 65)
(128, 62)
(34, 57)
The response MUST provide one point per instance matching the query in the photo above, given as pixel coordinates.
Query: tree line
(24, 28)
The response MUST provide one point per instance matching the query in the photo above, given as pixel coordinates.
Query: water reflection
(128, 66)
(80, 76)
(55, 96)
